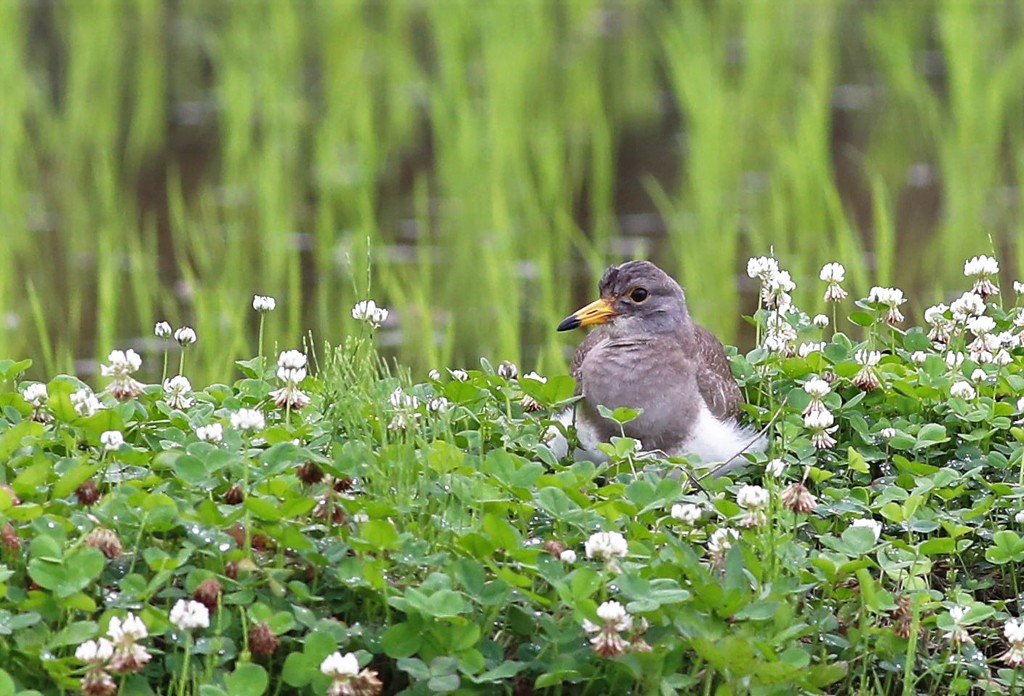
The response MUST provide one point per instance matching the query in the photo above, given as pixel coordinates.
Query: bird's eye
(638, 295)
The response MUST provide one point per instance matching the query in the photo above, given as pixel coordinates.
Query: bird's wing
(576, 366)
(714, 377)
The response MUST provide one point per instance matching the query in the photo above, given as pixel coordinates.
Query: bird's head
(637, 297)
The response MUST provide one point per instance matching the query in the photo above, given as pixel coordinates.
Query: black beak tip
(569, 323)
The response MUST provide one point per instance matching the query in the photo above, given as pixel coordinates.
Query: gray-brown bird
(647, 353)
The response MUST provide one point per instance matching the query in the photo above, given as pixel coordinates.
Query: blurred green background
(481, 162)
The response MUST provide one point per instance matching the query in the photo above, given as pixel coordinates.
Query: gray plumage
(648, 353)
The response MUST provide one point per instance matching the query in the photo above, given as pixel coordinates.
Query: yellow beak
(597, 312)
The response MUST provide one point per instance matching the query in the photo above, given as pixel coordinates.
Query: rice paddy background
(478, 164)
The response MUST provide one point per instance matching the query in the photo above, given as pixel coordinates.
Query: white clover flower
(508, 370)
(721, 540)
(367, 311)
(606, 546)
(873, 525)
(616, 619)
(434, 375)
(1014, 632)
(402, 420)
(177, 390)
(614, 613)
(955, 359)
(292, 360)
(686, 512)
(1018, 287)
(981, 265)
(775, 290)
(35, 394)
(891, 298)
(1019, 517)
(982, 325)
(189, 615)
(290, 396)
(982, 268)
(263, 303)
(568, 556)
(958, 635)
(438, 404)
(291, 369)
(214, 432)
(128, 656)
(530, 404)
(129, 629)
(775, 467)
(820, 423)
(979, 375)
(970, 304)
(132, 627)
(247, 419)
(185, 336)
(833, 273)
(888, 433)
(780, 282)
(401, 400)
(85, 402)
(340, 667)
(762, 267)
(935, 314)
(1002, 358)
(918, 356)
(983, 348)
(291, 375)
(817, 387)
(162, 330)
(95, 652)
(940, 327)
(534, 376)
(779, 334)
(405, 405)
(834, 293)
(752, 496)
(753, 499)
(459, 375)
(867, 378)
(123, 363)
(360, 518)
(882, 295)
(112, 440)
(364, 310)
(820, 320)
(809, 347)
(962, 390)
(1020, 404)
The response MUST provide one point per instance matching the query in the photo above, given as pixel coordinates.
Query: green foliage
(428, 529)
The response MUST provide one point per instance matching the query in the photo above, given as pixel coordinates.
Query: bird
(647, 353)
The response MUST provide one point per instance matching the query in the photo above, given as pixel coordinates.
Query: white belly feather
(714, 441)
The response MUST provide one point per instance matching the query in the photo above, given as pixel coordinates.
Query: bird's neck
(679, 329)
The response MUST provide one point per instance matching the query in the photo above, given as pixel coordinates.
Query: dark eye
(638, 295)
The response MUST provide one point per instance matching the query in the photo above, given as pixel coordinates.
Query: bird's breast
(645, 376)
